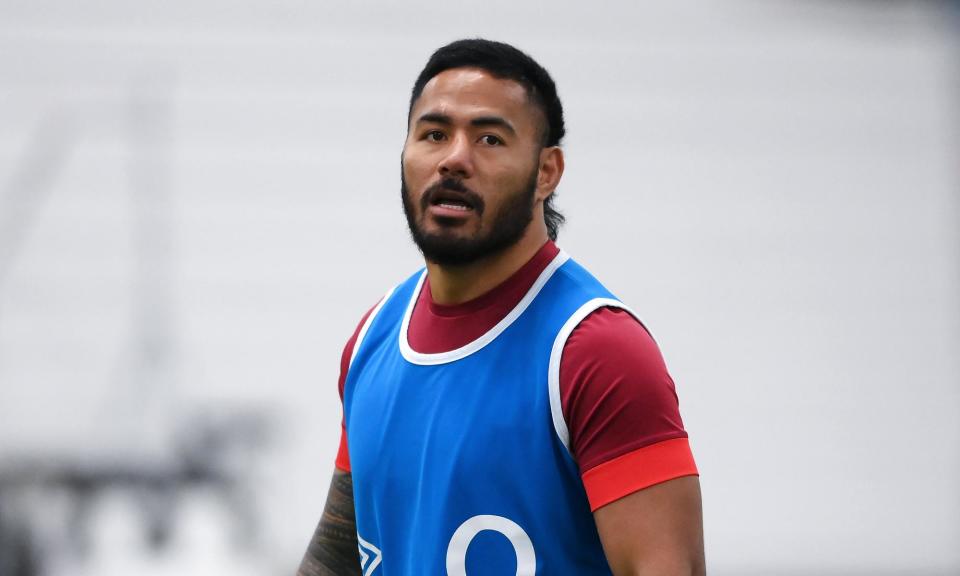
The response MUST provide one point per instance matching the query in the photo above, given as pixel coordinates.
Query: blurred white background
(198, 200)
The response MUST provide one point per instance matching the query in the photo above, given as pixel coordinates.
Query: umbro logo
(369, 556)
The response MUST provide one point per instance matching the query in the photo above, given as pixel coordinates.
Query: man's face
(470, 166)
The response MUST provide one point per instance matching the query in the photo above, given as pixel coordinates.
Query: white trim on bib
(369, 321)
(553, 373)
(415, 357)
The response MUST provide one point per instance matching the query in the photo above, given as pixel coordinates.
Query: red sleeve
(343, 454)
(621, 408)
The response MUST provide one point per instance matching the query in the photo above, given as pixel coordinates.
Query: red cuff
(343, 455)
(637, 470)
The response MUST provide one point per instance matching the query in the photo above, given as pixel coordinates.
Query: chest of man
(455, 459)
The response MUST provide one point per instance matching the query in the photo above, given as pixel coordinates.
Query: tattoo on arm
(333, 550)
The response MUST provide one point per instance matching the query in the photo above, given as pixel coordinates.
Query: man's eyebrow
(494, 121)
(437, 118)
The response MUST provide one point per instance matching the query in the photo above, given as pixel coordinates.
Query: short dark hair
(506, 62)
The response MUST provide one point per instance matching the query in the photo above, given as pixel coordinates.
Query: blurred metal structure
(30, 185)
(162, 452)
(46, 504)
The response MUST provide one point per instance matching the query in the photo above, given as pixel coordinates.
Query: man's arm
(333, 551)
(622, 413)
(657, 531)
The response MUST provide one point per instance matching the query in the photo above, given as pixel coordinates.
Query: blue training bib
(460, 460)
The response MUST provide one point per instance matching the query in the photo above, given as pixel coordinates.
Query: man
(503, 412)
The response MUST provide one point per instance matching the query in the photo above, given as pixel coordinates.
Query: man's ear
(551, 170)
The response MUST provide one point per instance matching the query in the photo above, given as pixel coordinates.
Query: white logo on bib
(460, 541)
(369, 556)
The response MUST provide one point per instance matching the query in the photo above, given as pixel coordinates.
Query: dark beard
(505, 230)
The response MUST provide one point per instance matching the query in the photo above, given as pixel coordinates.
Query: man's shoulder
(575, 273)
(608, 325)
(597, 313)
(403, 287)
(347, 355)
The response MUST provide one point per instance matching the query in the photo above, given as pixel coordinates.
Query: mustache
(451, 188)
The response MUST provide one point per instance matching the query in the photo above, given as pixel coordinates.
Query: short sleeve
(621, 408)
(343, 453)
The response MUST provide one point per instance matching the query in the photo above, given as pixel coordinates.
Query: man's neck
(451, 285)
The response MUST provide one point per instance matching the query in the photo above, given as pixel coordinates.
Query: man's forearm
(333, 549)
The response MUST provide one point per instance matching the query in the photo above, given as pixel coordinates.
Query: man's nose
(458, 160)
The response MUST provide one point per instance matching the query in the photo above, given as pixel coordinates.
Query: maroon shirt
(618, 399)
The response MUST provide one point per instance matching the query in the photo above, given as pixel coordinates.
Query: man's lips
(450, 210)
(453, 205)
(450, 198)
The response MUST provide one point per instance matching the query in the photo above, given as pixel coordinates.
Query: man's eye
(491, 140)
(434, 136)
